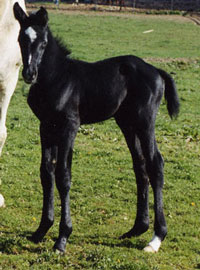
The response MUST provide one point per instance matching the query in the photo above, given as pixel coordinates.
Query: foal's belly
(102, 107)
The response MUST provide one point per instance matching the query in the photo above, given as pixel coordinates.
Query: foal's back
(108, 84)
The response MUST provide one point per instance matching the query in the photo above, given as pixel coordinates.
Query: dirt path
(195, 17)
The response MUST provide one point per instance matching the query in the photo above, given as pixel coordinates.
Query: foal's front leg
(47, 170)
(63, 182)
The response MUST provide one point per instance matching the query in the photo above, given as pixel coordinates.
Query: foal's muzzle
(29, 74)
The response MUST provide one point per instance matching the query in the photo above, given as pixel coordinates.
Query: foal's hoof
(36, 237)
(153, 245)
(150, 249)
(60, 246)
(129, 234)
(59, 252)
(135, 231)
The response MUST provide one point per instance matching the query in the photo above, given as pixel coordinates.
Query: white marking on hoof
(149, 249)
(2, 201)
(154, 245)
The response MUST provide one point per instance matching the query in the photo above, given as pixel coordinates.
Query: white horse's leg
(3, 132)
(6, 91)
(9, 64)
(2, 202)
(3, 135)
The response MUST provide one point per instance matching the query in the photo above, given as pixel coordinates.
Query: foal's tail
(171, 94)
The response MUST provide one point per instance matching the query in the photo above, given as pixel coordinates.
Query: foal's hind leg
(154, 167)
(63, 181)
(142, 218)
(47, 169)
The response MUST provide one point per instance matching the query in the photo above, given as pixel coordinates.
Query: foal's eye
(44, 43)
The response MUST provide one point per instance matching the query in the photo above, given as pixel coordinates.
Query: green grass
(103, 193)
(105, 36)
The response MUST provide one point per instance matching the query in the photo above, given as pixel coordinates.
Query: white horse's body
(10, 60)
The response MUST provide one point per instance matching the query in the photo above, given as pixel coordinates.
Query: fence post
(172, 4)
(134, 3)
(95, 4)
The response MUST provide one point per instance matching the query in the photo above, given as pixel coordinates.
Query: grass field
(103, 193)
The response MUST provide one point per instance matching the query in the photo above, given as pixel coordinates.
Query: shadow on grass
(125, 243)
(17, 242)
(133, 243)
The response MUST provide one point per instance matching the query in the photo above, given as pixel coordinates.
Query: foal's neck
(53, 62)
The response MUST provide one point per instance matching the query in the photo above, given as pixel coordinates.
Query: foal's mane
(61, 44)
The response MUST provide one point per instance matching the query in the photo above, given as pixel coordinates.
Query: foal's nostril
(33, 74)
(29, 74)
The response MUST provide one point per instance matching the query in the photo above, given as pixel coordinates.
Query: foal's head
(33, 39)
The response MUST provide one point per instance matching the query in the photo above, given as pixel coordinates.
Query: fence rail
(189, 5)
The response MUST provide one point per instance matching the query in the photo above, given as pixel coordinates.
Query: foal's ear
(20, 15)
(42, 16)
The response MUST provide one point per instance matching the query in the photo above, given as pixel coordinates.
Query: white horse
(10, 62)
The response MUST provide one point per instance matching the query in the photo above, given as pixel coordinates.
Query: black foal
(66, 93)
